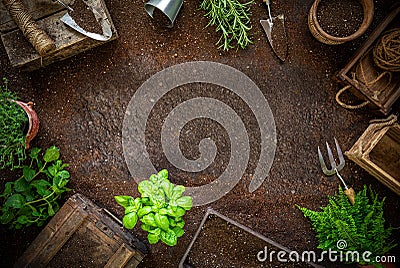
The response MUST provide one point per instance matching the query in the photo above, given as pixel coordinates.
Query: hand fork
(335, 168)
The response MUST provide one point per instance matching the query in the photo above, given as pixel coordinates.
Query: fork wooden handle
(350, 194)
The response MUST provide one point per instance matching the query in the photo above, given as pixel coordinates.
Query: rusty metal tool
(335, 168)
(274, 27)
(99, 15)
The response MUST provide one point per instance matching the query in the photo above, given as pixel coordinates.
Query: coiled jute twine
(387, 51)
(36, 36)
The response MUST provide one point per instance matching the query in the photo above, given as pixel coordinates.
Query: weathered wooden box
(47, 15)
(81, 234)
(383, 92)
(378, 152)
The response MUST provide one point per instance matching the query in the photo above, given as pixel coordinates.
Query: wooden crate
(47, 15)
(378, 152)
(381, 96)
(81, 234)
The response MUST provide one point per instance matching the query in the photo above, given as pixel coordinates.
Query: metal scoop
(274, 27)
(98, 14)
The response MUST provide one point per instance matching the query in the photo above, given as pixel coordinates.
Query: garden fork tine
(335, 168)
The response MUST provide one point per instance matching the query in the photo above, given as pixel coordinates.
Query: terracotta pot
(324, 37)
(33, 121)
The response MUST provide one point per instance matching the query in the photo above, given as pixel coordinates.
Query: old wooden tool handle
(350, 194)
(36, 36)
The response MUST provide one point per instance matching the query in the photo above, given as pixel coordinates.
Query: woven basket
(322, 36)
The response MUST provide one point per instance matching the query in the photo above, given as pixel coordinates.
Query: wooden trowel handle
(350, 194)
(266, 1)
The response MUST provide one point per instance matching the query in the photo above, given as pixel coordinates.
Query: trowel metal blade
(275, 30)
(106, 27)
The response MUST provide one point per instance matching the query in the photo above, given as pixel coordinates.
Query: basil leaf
(41, 187)
(34, 154)
(130, 220)
(143, 211)
(185, 202)
(169, 238)
(123, 200)
(162, 221)
(6, 217)
(51, 154)
(146, 188)
(178, 231)
(146, 227)
(156, 231)
(180, 224)
(153, 239)
(163, 174)
(149, 220)
(167, 188)
(177, 192)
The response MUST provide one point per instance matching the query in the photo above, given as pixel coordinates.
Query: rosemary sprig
(232, 19)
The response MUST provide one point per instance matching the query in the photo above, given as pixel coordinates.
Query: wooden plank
(68, 43)
(37, 8)
(81, 232)
(378, 152)
(379, 100)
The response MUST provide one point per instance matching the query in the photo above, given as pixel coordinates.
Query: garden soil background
(81, 103)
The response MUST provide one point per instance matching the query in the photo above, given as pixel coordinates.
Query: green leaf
(42, 187)
(169, 238)
(123, 200)
(7, 189)
(28, 173)
(146, 188)
(21, 185)
(167, 188)
(149, 220)
(180, 224)
(130, 220)
(185, 202)
(6, 217)
(64, 174)
(130, 209)
(146, 227)
(162, 221)
(156, 231)
(51, 154)
(22, 219)
(177, 192)
(153, 239)
(136, 203)
(143, 211)
(177, 212)
(15, 201)
(178, 231)
(163, 174)
(52, 170)
(34, 153)
(50, 210)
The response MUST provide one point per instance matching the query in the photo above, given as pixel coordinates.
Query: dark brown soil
(84, 17)
(81, 102)
(340, 18)
(219, 238)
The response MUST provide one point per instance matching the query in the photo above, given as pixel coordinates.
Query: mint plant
(33, 197)
(13, 119)
(160, 209)
(361, 225)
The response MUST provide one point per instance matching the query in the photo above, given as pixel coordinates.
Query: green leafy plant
(160, 209)
(361, 225)
(33, 197)
(13, 119)
(232, 19)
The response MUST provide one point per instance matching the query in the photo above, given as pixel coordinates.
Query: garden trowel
(98, 14)
(274, 27)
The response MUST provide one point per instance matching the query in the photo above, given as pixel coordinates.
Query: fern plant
(361, 225)
(13, 120)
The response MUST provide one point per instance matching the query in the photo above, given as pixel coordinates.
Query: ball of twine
(387, 51)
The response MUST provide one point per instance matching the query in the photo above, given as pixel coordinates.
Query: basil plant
(160, 209)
